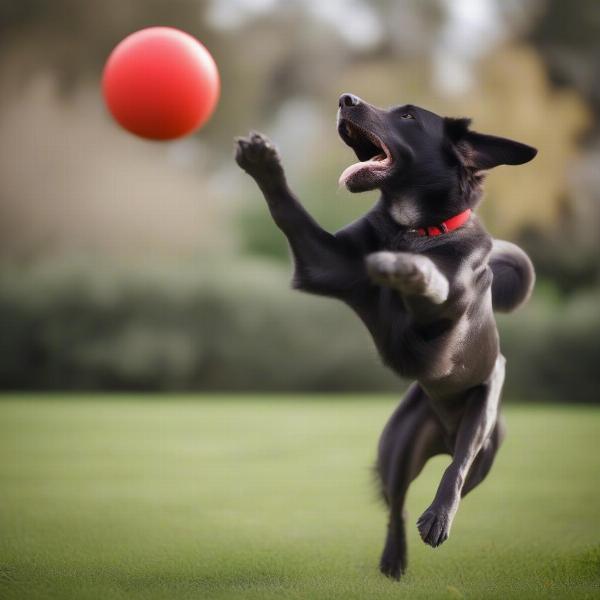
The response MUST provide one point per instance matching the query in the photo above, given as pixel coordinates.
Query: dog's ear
(480, 151)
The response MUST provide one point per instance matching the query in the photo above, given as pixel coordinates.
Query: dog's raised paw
(394, 269)
(434, 527)
(257, 155)
(381, 266)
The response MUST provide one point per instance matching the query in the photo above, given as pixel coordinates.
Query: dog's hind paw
(391, 567)
(393, 558)
(257, 155)
(434, 527)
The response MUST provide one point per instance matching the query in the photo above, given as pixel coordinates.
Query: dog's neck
(411, 209)
(406, 210)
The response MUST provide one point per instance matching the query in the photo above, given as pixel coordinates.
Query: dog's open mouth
(373, 155)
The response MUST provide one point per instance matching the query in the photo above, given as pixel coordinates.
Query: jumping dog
(425, 277)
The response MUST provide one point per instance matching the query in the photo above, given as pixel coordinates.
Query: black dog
(424, 276)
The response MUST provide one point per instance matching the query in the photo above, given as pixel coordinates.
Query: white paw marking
(409, 273)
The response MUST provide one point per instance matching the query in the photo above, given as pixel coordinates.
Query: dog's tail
(514, 276)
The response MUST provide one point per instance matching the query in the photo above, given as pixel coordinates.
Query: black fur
(514, 276)
(427, 301)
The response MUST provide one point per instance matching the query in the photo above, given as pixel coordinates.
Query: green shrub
(236, 326)
(553, 349)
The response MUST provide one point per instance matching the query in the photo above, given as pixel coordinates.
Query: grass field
(222, 497)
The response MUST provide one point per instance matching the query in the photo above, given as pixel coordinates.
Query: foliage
(238, 326)
(553, 348)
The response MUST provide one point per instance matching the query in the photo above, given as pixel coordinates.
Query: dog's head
(407, 149)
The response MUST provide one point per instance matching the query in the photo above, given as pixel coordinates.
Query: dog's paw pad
(434, 527)
(256, 153)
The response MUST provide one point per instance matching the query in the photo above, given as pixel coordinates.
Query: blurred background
(132, 265)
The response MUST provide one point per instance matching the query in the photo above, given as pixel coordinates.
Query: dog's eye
(406, 116)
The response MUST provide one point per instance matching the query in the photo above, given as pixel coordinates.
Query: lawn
(171, 497)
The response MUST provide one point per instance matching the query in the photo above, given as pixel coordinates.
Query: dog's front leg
(415, 276)
(321, 264)
(476, 425)
(260, 159)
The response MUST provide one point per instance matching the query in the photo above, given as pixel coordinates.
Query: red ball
(161, 83)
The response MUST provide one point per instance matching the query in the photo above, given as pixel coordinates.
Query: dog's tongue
(349, 172)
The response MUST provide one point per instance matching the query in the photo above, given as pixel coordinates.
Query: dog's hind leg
(476, 426)
(485, 459)
(411, 436)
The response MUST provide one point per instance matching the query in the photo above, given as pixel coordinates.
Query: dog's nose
(349, 100)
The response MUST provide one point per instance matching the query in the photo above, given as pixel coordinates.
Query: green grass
(220, 497)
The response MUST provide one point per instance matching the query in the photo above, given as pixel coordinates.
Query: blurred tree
(567, 36)
(514, 99)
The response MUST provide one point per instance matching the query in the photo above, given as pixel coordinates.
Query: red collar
(448, 225)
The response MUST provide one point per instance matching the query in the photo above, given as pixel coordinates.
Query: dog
(425, 277)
